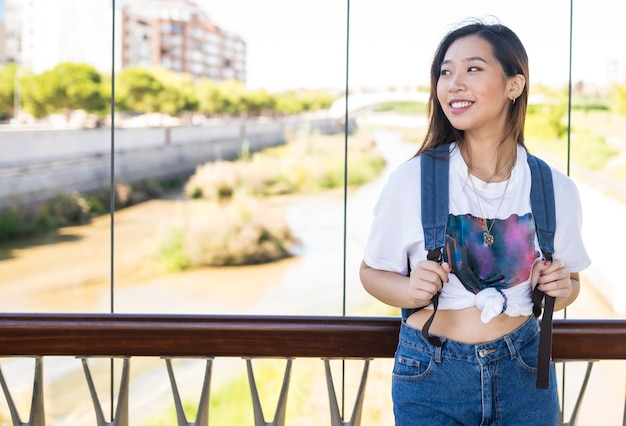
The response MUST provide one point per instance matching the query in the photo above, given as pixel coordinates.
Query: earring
(513, 101)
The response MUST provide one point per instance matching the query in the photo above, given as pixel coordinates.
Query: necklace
(488, 238)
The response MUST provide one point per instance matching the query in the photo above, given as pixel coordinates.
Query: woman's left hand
(553, 278)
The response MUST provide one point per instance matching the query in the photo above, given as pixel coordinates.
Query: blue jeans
(490, 383)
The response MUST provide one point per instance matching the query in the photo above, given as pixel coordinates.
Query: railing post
(121, 412)
(281, 406)
(624, 422)
(202, 415)
(581, 393)
(335, 415)
(37, 413)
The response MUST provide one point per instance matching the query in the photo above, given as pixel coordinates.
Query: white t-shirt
(493, 278)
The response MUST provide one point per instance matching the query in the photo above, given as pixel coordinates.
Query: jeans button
(484, 352)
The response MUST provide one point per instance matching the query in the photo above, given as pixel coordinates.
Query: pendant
(487, 238)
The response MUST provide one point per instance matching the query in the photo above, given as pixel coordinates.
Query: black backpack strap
(544, 212)
(435, 211)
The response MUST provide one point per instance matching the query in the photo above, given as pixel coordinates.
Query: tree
(70, 86)
(257, 102)
(178, 94)
(230, 100)
(618, 99)
(209, 96)
(139, 90)
(36, 95)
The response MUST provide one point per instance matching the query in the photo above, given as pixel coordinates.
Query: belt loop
(511, 346)
(438, 353)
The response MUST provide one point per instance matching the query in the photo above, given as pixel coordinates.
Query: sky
(302, 43)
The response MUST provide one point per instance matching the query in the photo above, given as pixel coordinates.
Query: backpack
(434, 174)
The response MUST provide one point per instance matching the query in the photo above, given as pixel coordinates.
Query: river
(70, 271)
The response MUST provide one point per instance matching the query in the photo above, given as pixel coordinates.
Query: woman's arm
(401, 291)
(575, 283)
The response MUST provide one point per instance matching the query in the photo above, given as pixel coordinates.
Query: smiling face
(473, 90)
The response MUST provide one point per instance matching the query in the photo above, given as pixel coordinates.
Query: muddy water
(70, 271)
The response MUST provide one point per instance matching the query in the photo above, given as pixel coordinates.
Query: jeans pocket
(411, 364)
(527, 355)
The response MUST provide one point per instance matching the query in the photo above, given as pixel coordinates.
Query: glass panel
(598, 148)
(293, 60)
(51, 152)
(391, 49)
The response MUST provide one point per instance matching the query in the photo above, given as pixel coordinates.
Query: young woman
(484, 371)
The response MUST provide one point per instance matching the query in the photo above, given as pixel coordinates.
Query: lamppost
(17, 101)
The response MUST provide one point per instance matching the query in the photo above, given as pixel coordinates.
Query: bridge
(361, 101)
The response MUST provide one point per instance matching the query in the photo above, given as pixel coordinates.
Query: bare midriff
(464, 325)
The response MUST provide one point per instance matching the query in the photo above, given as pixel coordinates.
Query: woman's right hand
(426, 280)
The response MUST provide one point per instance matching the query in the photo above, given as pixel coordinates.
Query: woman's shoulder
(562, 182)
(412, 165)
(408, 170)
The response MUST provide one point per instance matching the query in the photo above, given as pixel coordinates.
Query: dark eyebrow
(475, 58)
(469, 59)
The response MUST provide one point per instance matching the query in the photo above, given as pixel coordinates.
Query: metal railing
(248, 337)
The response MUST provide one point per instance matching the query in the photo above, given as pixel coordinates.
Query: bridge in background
(361, 101)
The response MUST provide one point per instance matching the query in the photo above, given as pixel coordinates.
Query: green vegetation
(589, 133)
(307, 400)
(307, 163)
(595, 118)
(234, 225)
(73, 209)
(66, 87)
(77, 86)
(413, 108)
(231, 402)
(241, 232)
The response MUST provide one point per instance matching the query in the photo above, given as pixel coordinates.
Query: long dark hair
(509, 51)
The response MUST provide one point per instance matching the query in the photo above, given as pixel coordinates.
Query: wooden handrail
(256, 336)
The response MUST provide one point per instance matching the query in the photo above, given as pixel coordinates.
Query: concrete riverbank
(38, 164)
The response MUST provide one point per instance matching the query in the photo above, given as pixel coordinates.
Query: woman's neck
(489, 162)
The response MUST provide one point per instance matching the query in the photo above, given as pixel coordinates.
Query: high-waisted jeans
(490, 383)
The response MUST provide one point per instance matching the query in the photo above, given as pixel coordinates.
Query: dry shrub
(241, 232)
(308, 163)
(214, 181)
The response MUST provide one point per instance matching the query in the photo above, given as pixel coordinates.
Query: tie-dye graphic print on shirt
(504, 264)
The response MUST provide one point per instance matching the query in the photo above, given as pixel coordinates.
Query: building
(2, 32)
(10, 30)
(178, 35)
(173, 34)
